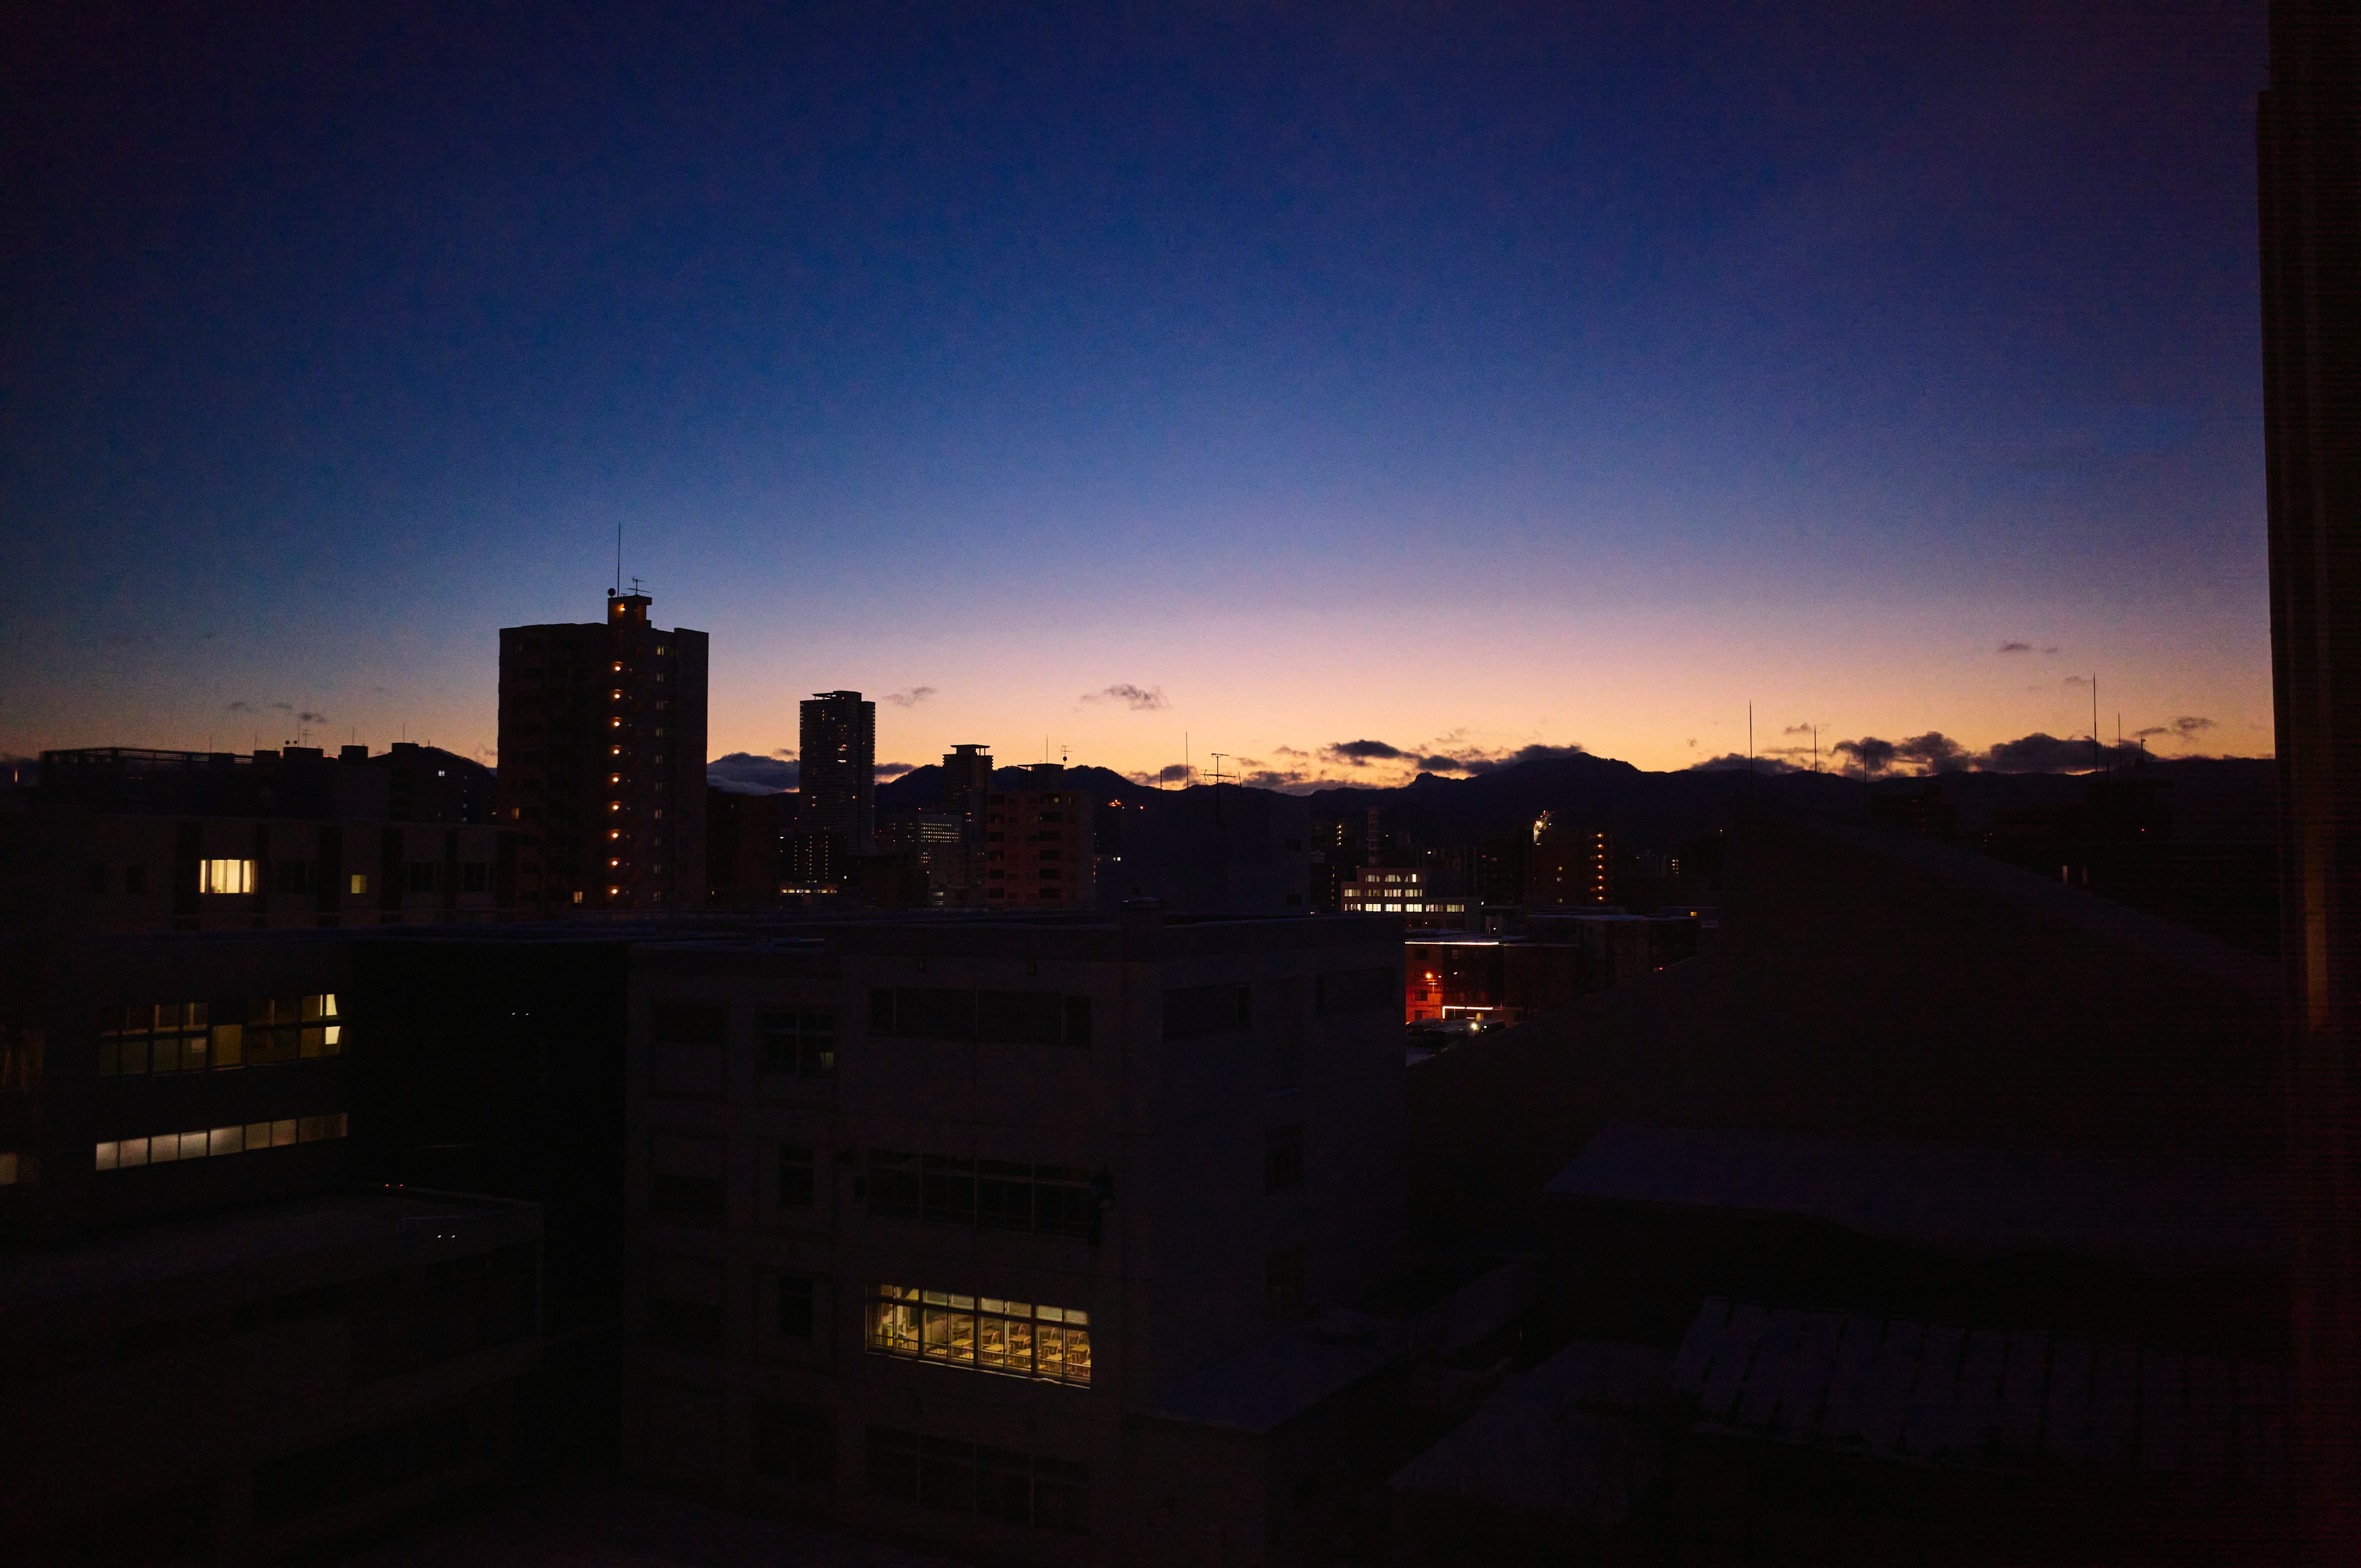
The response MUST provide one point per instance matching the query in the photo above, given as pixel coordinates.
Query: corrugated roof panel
(1979, 1393)
(1935, 1392)
(1757, 1401)
(2163, 1412)
(1689, 1363)
(1808, 1375)
(2212, 1421)
(1848, 1380)
(1733, 1356)
(2017, 1420)
(1885, 1406)
(2262, 1431)
(2114, 1405)
(2066, 1426)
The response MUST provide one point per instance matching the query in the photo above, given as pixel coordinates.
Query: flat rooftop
(1955, 1199)
(141, 1257)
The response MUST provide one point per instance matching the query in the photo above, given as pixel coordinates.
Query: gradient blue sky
(1455, 377)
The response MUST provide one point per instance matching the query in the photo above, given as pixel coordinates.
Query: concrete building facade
(1000, 1237)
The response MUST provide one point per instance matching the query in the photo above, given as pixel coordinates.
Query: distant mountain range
(2218, 800)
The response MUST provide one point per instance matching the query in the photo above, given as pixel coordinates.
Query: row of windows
(189, 1036)
(988, 1194)
(163, 1148)
(970, 1478)
(1049, 1344)
(1013, 1017)
(296, 877)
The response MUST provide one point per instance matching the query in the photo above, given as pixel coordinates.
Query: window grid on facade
(951, 1476)
(189, 1036)
(798, 1177)
(794, 1442)
(1013, 1338)
(1011, 1017)
(800, 1044)
(996, 1195)
(163, 1148)
(1283, 1157)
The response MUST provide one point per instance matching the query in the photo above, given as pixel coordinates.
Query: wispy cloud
(1139, 699)
(910, 698)
(2017, 647)
(2183, 729)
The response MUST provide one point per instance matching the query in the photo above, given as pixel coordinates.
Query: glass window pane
(1078, 1355)
(230, 1045)
(163, 1150)
(258, 1135)
(282, 1133)
(106, 1153)
(1049, 1350)
(226, 1140)
(132, 1151)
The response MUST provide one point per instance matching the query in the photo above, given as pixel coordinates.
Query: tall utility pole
(2309, 161)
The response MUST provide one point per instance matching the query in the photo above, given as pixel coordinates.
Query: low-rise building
(1004, 1237)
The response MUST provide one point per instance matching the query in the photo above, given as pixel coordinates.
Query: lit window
(359, 884)
(224, 876)
(1015, 1339)
(206, 1142)
(8, 1168)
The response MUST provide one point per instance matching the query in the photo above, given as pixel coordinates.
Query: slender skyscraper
(2309, 143)
(838, 769)
(602, 762)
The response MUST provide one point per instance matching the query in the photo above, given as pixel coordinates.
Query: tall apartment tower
(838, 754)
(967, 786)
(602, 762)
(2310, 185)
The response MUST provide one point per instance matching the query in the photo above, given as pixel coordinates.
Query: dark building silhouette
(1211, 850)
(1030, 1241)
(121, 839)
(2310, 182)
(967, 781)
(1039, 850)
(1933, 1214)
(836, 777)
(184, 1247)
(745, 839)
(602, 762)
(1568, 864)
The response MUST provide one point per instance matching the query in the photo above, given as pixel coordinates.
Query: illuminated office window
(984, 1334)
(164, 1149)
(226, 876)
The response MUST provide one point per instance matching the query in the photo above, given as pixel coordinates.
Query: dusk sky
(1452, 379)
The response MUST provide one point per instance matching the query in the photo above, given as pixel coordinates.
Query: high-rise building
(1569, 864)
(967, 786)
(1038, 851)
(602, 762)
(838, 764)
(2310, 185)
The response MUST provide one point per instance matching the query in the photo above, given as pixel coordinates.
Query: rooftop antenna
(1816, 747)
